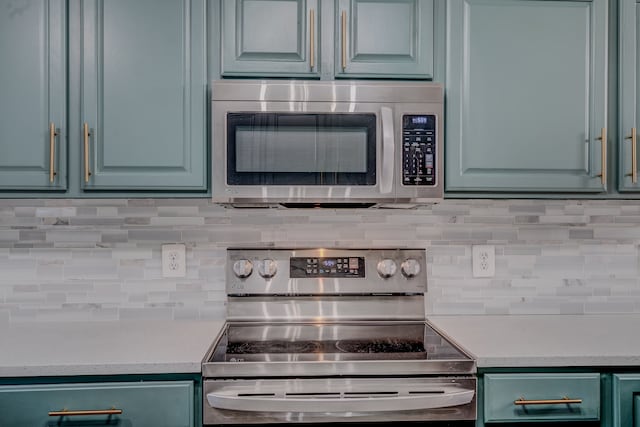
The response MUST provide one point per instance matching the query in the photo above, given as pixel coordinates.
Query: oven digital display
(301, 267)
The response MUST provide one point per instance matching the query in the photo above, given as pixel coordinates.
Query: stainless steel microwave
(326, 143)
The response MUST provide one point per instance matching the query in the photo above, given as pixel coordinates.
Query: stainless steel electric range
(333, 335)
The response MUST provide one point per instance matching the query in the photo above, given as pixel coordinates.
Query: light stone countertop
(546, 340)
(105, 348)
(165, 347)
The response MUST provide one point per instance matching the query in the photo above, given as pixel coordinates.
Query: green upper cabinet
(143, 74)
(629, 97)
(384, 38)
(33, 95)
(526, 95)
(323, 39)
(270, 38)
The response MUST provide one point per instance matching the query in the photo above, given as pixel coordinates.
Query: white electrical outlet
(174, 260)
(484, 260)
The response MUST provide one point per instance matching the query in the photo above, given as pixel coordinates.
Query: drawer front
(501, 391)
(153, 404)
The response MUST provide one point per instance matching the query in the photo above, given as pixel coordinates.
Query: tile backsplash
(100, 259)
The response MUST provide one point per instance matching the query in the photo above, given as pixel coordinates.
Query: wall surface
(79, 260)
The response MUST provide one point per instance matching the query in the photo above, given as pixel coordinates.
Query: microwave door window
(301, 149)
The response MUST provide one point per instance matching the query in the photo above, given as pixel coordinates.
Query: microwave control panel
(419, 149)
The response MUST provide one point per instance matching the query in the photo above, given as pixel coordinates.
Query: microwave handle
(388, 160)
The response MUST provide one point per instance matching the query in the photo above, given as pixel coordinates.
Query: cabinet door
(33, 95)
(143, 95)
(270, 38)
(626, 403)
(526, 95)
(384, 38)
(629, 96)
(144, 404)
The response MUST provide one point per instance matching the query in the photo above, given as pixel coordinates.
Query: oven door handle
(271, 402)
(388, 145)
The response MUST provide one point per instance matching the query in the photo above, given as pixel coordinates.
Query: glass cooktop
(327, 342)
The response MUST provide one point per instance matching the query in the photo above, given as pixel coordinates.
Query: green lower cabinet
(526, 398)
(626, 400)
(143, 404)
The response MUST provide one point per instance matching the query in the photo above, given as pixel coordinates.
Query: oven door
(311, 400)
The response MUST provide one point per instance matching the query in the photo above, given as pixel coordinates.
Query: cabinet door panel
(32, 94)
(503, 390)
(526, 97)
(269, 37)
(143, 96)
(384, 38)
(145, 404)
(629, 94)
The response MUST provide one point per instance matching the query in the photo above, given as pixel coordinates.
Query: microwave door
(302, 156)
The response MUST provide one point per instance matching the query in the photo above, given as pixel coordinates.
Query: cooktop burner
(326, 342)
(257, 347)
(386, 345)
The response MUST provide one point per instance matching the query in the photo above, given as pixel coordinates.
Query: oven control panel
(419, 150)
(308, 267)
(325, 271)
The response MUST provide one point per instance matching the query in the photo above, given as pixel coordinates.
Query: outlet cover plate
(483, 260)
(174, 260)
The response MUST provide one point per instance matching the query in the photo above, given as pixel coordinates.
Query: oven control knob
(267, 268)
(387, 268)
(410, 268)
(243, 268)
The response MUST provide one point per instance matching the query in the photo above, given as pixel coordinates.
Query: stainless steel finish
(388, 100)
(281, 284)
(339, 399)
(267, 268)
(441, 357)
(410, 268)
(386, 268)
(328, 308)
(343, 345)
(242, 268)
(388, 150)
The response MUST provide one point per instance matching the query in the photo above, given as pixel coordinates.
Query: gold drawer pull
(634, 156)
(52, 151)
(603, 156)
(312, 38)
(87, 134)
(563, 401)
(344, 40)
(68, 413)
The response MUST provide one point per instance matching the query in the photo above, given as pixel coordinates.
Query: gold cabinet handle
(68, 413)
(344, 40)
(52, 151)
(634, 156)
(564, 401)
(603, 154)
(87, 171)
(312, 38)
